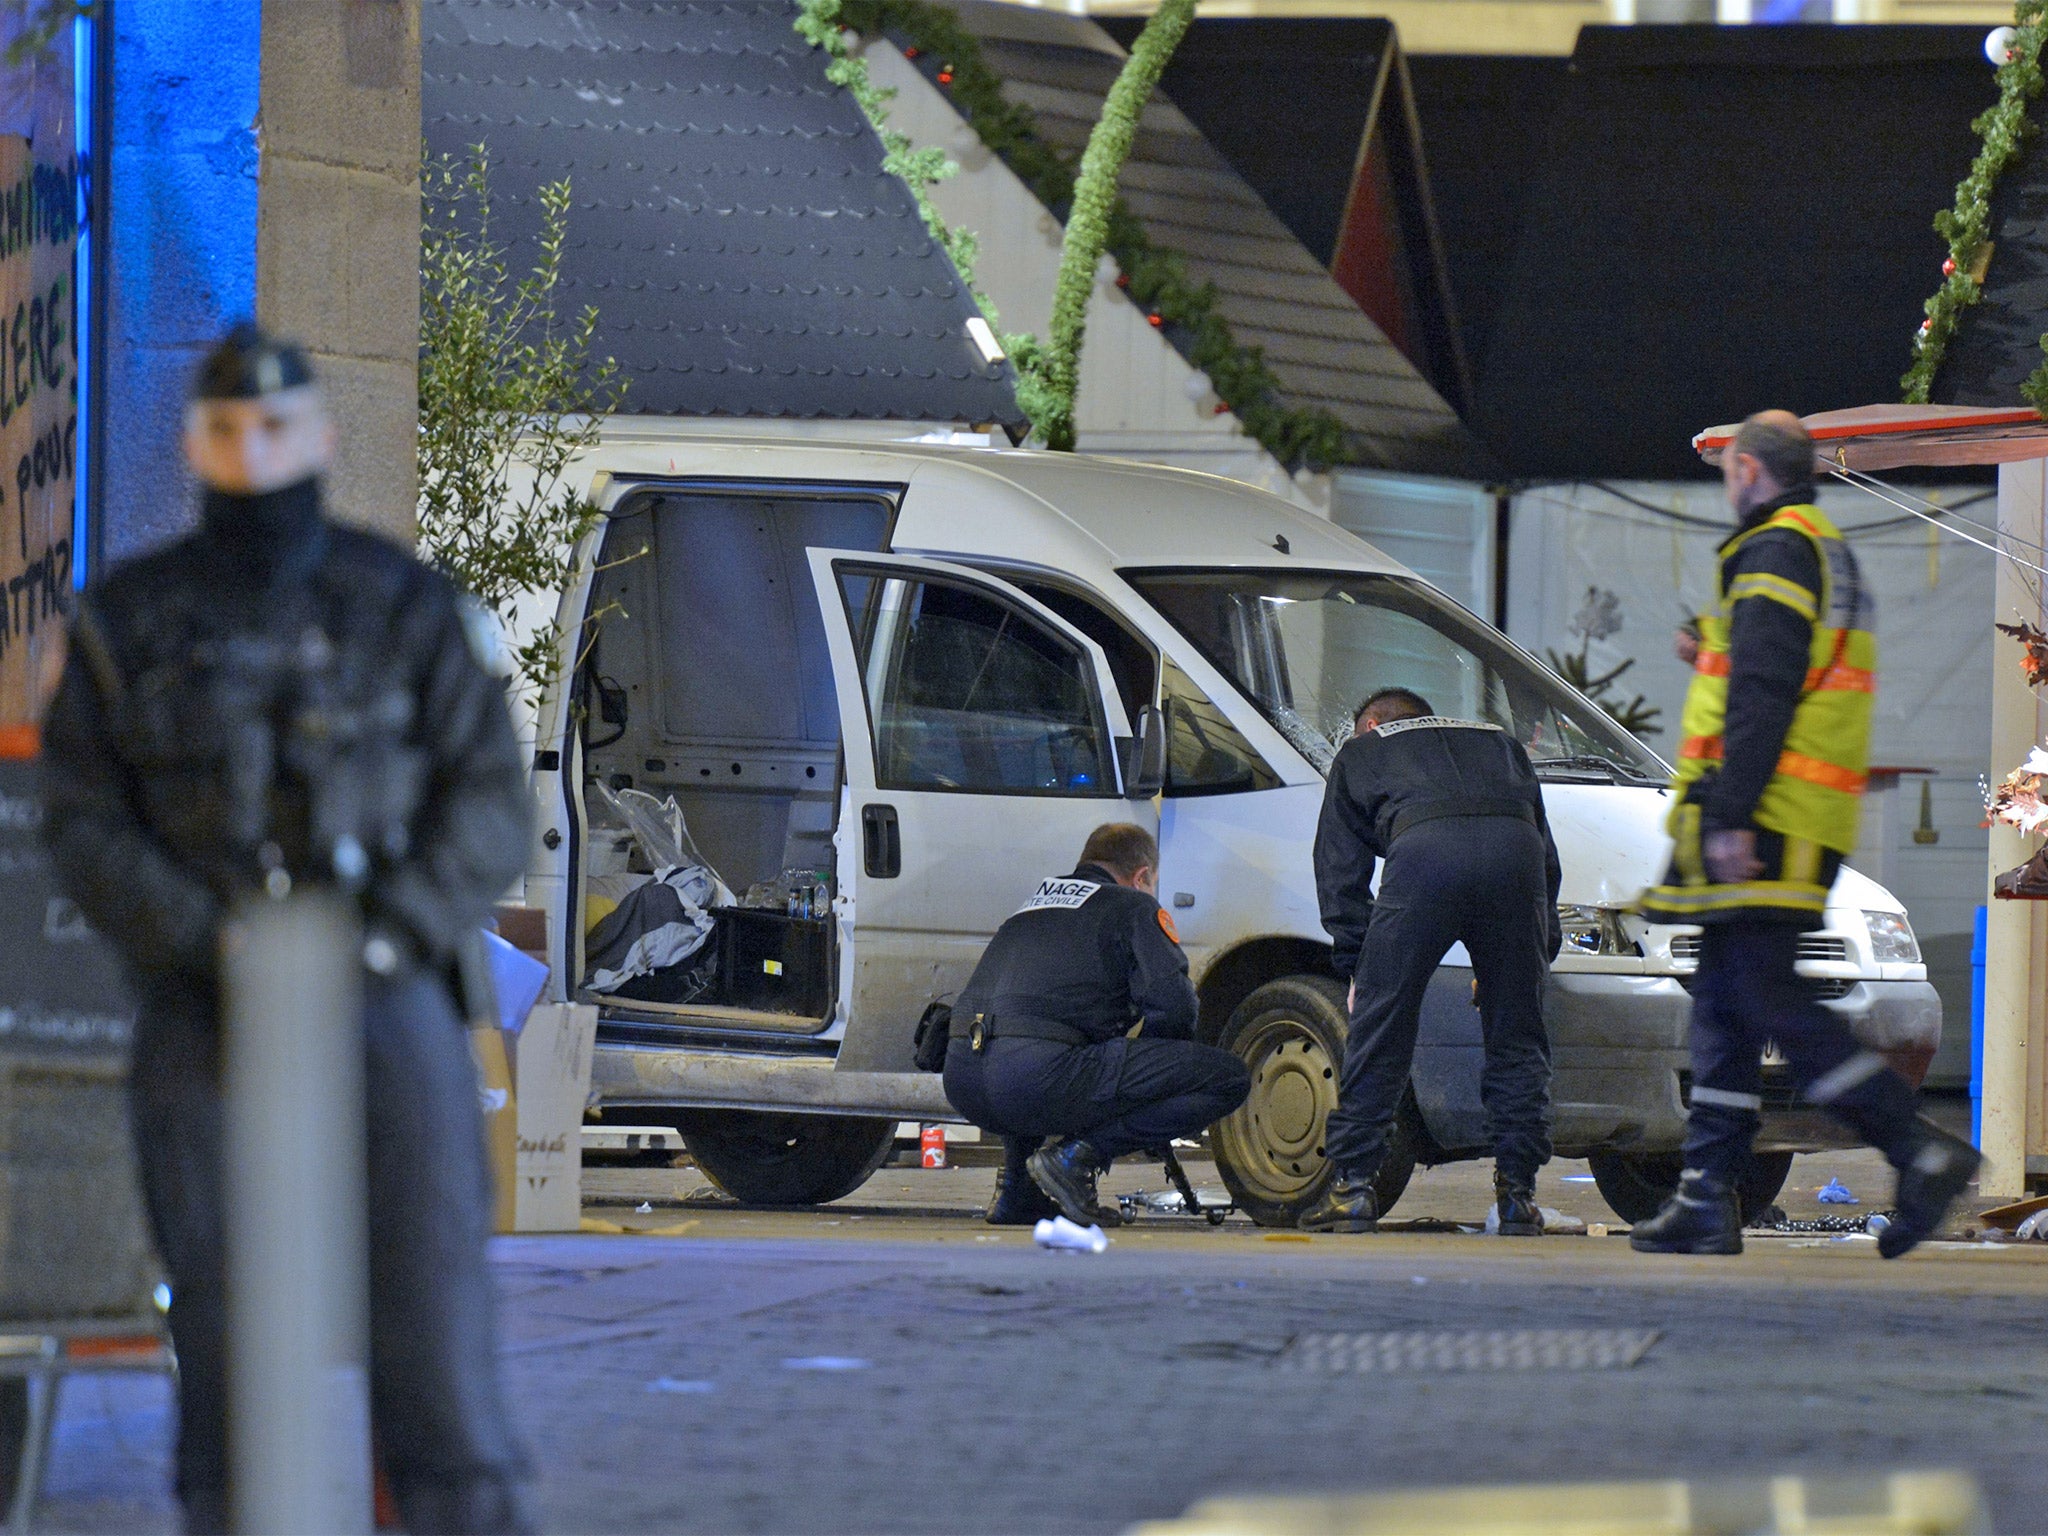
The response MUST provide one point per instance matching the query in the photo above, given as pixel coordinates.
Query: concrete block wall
(338, 231)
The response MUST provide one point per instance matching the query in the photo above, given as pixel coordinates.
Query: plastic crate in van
(774, 962)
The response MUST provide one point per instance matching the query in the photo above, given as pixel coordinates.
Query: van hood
(1610, 839)
(1612, 843)
(1858, 891)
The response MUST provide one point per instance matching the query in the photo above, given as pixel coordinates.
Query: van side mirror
(1144, 756)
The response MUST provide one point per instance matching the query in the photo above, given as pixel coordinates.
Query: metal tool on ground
(1191, 1203)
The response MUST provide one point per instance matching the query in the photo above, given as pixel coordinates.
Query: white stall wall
(1440, 529)
(1585, 567)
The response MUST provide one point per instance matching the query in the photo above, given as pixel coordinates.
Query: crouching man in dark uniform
(1455, 809)
(1041, 1037)
(275, 700)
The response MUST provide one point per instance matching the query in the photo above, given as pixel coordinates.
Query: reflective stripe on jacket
(1806, 806)
(1817, 788)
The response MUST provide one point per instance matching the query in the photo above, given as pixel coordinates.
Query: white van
(918, 675)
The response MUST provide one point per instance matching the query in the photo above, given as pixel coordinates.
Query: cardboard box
(554, 1084)
(524, 928)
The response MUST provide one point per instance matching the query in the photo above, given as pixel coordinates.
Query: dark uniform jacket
(1768, 646)
(1399, 776)
(1082, 961)
(224, 710)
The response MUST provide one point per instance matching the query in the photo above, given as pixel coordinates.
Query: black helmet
(248, 363)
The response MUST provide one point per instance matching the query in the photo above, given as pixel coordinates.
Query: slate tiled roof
(1273, 293)
(1226, 77)
(1340, 163)
(732, 223)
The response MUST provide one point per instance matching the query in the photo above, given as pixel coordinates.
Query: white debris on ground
(1064, 1236)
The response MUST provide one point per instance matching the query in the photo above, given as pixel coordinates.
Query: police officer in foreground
(1041, 1041)
(1454, 808)
(276, 699)
(1767, 795)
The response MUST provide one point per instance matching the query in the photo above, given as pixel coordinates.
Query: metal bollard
(297, 1245)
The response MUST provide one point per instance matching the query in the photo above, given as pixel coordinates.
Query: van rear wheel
(1635, 1187)
(761, 1158)
(1290, 1034)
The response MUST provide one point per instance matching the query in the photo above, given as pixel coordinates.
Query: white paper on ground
(1060, 1233)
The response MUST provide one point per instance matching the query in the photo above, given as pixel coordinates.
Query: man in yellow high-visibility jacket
(1771, 769)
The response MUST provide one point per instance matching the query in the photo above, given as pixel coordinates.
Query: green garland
(1155, 278)
(2005, 131)
(818, 22)
(1102, 163)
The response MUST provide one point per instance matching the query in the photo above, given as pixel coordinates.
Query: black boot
(1066, 1171)
(1515, 1195)
(1018, 1201)
(1703, 1217)
(1928, 1185)
(1349, 1205)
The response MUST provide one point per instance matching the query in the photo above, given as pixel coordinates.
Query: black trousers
(1479, 880)
(437, 1407)
(1120, 1096)
(1747, 994)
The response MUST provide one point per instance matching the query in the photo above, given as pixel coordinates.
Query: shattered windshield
(1307, 648)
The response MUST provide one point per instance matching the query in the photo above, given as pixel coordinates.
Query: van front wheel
(1290, 1034)
(761, 1158)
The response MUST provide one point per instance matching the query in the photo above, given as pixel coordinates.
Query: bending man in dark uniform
(1455, 810)
(1042, 1045)
(275, 701)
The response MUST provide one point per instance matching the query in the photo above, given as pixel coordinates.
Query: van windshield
(1307, 648)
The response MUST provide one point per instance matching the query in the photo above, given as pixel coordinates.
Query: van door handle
(881, 842)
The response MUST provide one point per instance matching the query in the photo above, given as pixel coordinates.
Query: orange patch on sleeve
(1166, 925)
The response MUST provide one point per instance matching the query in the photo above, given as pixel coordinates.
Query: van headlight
(1596, 930)
(1891, 938)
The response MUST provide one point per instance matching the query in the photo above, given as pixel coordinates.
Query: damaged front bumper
(1622, 1078)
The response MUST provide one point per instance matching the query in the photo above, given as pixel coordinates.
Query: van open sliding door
(983, 739)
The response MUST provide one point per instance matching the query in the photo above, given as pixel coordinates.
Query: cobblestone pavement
(890, 1364)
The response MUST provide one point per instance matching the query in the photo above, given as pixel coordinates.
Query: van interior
(707, 681)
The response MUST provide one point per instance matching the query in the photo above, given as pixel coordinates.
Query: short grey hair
(1782, 447)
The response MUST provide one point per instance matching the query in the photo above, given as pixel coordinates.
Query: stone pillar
(2016, 932)
(338, 230)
